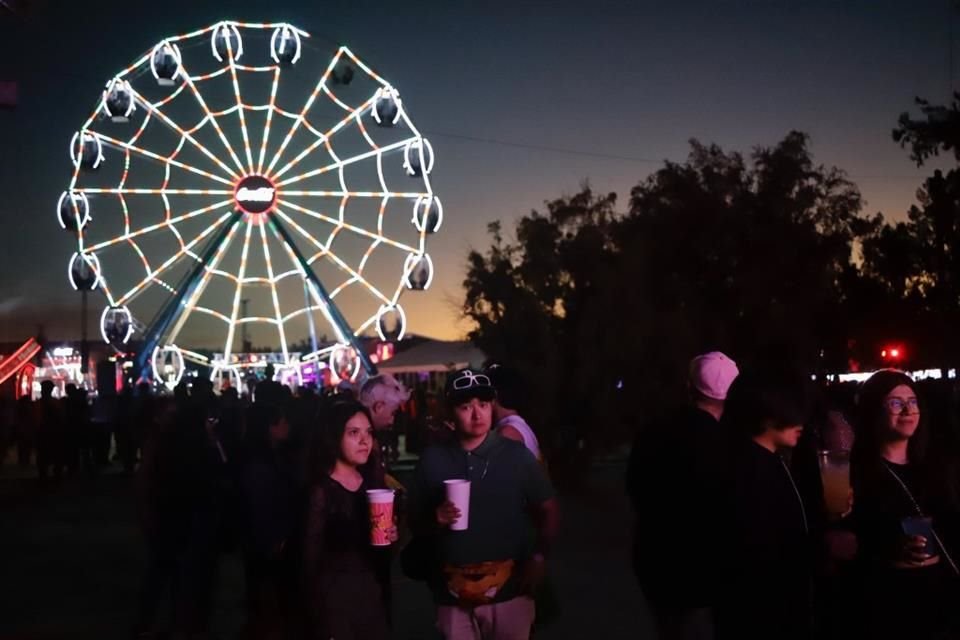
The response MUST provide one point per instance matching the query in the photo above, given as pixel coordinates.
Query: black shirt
(769, 560)
(674, 480)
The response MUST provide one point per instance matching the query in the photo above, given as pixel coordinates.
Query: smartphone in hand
(921, 526)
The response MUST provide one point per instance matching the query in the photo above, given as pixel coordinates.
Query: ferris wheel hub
(255, 194)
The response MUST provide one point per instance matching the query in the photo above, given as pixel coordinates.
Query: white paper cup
(458, 492)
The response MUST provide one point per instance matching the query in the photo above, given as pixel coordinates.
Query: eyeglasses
(897, 405)
(470, 379)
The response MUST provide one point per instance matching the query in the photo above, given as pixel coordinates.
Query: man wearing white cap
(675, 479)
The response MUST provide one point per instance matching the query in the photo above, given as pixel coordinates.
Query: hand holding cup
(915, 554)
(447, 514)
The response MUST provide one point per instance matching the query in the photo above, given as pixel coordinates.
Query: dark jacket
(769, 552)
(674, 481)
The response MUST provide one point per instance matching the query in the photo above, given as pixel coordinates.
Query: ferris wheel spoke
(156, 227)
(405, 195)
(323, 138)
(366, 325)
(367, 70)
(306, 107)
(343, 163)
(210, 312)
(329, 309)
(216, 125)
(349, 227)
(266, 129)
(240, 106)
(325, 251)
(156, 192)
(231, 330)
(273, 291)
(154, 110)
(159, 158)
(192, 34)
(138, 288)
(209, 269)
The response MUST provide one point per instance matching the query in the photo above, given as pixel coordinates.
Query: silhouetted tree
(604, 309)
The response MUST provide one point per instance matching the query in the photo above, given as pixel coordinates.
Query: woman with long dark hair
(342, 570)
(903, 495)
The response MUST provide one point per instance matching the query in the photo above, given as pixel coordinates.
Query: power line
(548, 149)
(612, 156)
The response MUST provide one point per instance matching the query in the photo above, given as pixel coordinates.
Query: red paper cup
(381, 516)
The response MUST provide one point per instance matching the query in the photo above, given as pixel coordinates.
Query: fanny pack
(477, 584)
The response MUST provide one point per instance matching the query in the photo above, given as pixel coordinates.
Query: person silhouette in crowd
(50, 434)
(270, 501)
(511, 394)
(767, 548)
(687, 446)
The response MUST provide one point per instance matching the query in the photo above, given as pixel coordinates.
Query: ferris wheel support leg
(174, 306)
(333, 311)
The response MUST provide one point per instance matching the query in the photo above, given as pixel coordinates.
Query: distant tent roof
(434, 355)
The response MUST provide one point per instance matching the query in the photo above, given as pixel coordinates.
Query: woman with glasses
(903, 499)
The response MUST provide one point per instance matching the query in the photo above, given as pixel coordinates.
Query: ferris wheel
(232, 167)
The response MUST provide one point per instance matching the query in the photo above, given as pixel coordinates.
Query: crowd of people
(734, 536)
(281, 479)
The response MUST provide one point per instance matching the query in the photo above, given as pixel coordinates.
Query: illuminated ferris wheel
(226, 183)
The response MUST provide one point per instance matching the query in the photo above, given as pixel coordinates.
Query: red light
(893, 353)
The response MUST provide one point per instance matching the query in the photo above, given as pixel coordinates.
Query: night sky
(501, 89)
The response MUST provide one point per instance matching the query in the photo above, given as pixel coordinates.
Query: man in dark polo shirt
(482, 577)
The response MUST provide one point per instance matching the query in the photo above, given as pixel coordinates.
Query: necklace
(803, 511)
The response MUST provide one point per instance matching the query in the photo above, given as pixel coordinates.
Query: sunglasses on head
(469, 379)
